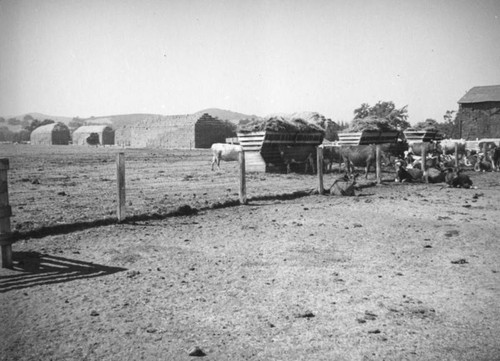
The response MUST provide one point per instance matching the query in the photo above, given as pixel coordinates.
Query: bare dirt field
(397, 272)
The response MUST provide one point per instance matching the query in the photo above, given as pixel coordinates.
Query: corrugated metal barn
(50, 134)
(105, 133)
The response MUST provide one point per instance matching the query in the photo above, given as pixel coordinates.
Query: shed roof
(481, 94)
(48, 128)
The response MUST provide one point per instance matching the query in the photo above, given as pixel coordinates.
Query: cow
(494, 155)
(482, 164)
(301, 154)
(435, 175)
(361, 156)
(330, 155)
(456, 179)
(407, 175)
(226, 152)
(344, 186)
(448, 146)
(432, 148)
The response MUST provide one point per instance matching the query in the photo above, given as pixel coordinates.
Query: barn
(479, 113)
(105, 133)
(50, 134)
(176, 131)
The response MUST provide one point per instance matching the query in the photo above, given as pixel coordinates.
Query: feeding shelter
(261, 141)
(422, 135)
(105, 133)
(50, 134)
(370, 136)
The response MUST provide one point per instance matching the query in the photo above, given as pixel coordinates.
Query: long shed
(51, 134)
(105, 133)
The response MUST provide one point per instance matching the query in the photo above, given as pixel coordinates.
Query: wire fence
(60, 185)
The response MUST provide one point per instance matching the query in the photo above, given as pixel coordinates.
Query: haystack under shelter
(51, 134)
(105, 133)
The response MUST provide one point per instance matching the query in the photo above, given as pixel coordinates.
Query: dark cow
(226, 152)
(407, 175)
(494, 155)
(331, 155)
(435, 175)
(361, 156)
(456, 179)
(302, 154)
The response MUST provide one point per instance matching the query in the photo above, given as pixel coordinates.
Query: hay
(281, 125)
(370, 123)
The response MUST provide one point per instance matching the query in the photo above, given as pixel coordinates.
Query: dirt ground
(397, 272)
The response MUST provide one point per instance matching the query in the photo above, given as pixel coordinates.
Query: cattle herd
(443, 161)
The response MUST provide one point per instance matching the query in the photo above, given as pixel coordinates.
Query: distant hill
(222, 114)
(117, 121)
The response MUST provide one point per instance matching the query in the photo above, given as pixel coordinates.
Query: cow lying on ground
(482, 164)
(303, 154)
(344, 186)
(226, 152)
(456, 179)
(407, 175)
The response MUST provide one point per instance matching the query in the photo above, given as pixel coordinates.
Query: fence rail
(60, 185)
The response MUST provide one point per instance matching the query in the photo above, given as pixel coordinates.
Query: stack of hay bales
(209, 130)
(105, 133)
(51, 134)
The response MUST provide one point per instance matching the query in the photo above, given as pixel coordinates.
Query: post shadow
(36, 269)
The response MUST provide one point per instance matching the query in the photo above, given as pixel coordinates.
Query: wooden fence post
(5, 213)
(243, 186)
(120, 176)
(319, 156)
(456, 156)
(424, 162)
(378, 166)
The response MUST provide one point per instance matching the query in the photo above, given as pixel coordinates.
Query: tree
(428, 124)
(93, 139)
(382, 115)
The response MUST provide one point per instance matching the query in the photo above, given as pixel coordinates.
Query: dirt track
(401, 271)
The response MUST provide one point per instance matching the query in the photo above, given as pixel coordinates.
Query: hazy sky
(85, 57)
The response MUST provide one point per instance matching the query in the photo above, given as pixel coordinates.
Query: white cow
(226, 152)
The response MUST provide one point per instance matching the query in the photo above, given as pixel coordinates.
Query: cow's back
(359, 155)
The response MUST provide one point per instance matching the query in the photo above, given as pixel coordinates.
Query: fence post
(456, 156)
(120, 176)
(243, 186)
(424, 162)
(319, 156)
(5, 213)
(378, 166)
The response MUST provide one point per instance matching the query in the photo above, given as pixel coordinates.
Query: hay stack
(281, 125)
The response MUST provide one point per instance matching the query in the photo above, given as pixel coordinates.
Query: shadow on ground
(36, 269)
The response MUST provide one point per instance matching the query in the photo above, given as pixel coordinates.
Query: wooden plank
(243, 188)
(5, 231)
(120, 176)
(319, 156)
